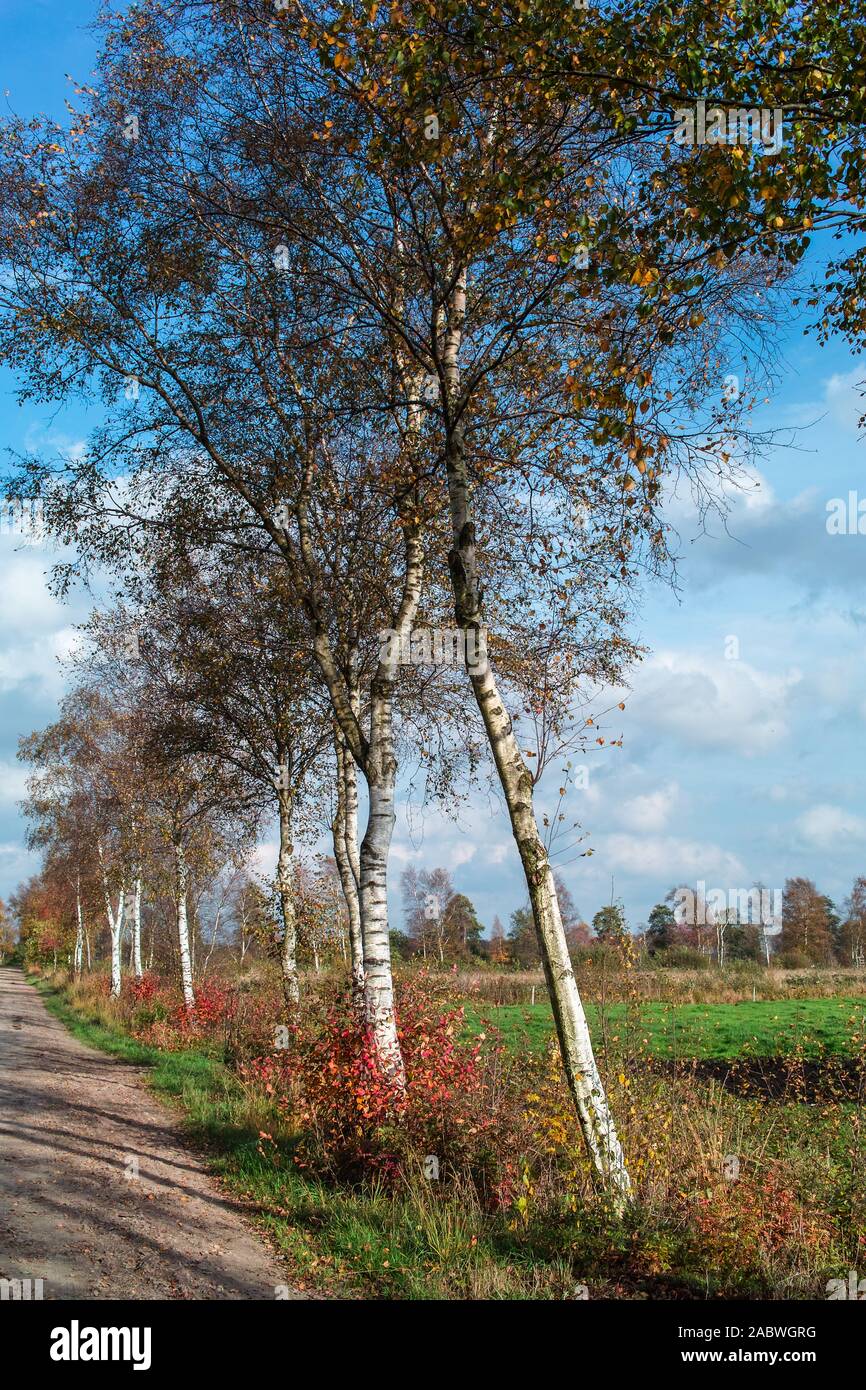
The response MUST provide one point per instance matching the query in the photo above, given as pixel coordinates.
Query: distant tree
(463, 931)
(401, 945)
(744, 941)
(806, 921)
(439, 922)
(692, 927)
(45, 929)
(853, 932)
(834, 926)
(426, 895)
(577, 932)
(497, 948)
(7, 934)
(609, 924)
(522, 939)
(251, 914)
(322, 920)
(661, 928)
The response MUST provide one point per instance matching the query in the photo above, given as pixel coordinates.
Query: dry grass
(604, 983)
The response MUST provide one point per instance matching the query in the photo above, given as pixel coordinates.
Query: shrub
(461, 1104)
(793, 960)
(681, 958)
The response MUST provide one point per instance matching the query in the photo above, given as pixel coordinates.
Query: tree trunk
(183, 928)
(115, 927)
(115, 923)
(136, 928)
(380, 772)
(345, 834)
(213, 937)
(515, 779)
(285, 888)
(79, 926)
(375, 848)
(377, 762)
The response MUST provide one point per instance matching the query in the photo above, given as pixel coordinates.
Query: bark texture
(285, 889)
(182, 876)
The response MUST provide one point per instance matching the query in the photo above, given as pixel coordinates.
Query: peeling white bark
(345, 836)
(285, 889)
(182, 879)
(115, 927)
(79, 927)
(136, 929)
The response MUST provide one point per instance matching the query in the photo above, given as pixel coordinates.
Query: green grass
(704, 1031)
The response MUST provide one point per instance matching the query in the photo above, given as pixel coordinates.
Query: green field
(816, 1027)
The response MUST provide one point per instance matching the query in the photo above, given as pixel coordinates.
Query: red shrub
(142, 991)
(354, 1120)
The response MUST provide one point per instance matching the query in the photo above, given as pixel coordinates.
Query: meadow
(762, 1028)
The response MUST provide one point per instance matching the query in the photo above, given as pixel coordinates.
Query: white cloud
(264, 858)
(25, 603)
(650, 812)
(826, 827)
(38, 660)
(843, 392)
(16, 862)
(712, 703)
(748, 491)
(497, 854)
(668, 859)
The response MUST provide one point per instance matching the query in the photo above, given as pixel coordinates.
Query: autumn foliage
(457, 1109)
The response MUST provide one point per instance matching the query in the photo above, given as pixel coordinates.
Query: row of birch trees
(406, 316)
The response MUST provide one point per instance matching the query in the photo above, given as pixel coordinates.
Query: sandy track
(71, 1122)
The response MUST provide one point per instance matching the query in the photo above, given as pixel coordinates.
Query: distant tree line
(442, 927)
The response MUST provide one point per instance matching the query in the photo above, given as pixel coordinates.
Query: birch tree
(224, 649)
(76, 799)
(484, 197)
(444, 221)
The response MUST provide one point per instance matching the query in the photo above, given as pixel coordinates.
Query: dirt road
(74, 1126)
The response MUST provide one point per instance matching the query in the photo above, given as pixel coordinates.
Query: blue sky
(732, 770)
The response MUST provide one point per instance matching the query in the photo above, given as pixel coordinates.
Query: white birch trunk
(345, 835)
(115, 922)
(136, 928)
(378, 979)
(376, 759)
(578, 1058)
(183, 928)
(115, 927)
(285, 888)
(381, 774)
(79, 927)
